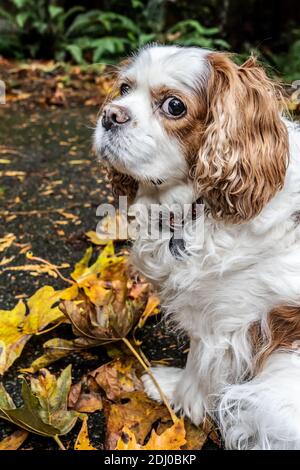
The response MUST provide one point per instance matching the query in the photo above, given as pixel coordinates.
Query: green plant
(107, 35)
(289, 64)
(33, 27)
(119, 35)
(41, 28)
(193, 33)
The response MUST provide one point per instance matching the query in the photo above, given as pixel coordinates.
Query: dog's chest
(230, 280)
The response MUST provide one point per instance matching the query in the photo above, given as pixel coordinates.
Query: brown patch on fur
(122, 185)
(243, 153)
(282, 333)
(188, 128)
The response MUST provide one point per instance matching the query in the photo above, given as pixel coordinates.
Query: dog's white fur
(215, 292)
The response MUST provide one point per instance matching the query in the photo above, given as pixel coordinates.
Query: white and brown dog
(190, 123)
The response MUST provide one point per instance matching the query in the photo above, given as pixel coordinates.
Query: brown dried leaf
(117, 377)
(196, 436)
(172, 438)
(85, 396)
(138, 414)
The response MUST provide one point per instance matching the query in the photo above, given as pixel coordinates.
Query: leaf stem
(59, 443)
(51, 266)
(63, 320)
(150, 373)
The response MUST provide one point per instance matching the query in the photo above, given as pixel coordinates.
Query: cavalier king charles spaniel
(188, 125)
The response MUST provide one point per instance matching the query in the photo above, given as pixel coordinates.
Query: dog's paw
(188, 399)
(167, 378)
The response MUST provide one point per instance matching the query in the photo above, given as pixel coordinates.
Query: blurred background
(102, 31)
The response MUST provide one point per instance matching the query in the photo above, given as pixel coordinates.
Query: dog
(189, 125)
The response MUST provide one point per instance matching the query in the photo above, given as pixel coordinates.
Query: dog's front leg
(206, 372)
(188, 389)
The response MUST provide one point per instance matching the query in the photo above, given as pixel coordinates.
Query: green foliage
(290, 63)
(41, 28)
(34, 26)
(45, 29)
(192, 33)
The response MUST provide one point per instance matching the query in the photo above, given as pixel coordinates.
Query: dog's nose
(114, 116)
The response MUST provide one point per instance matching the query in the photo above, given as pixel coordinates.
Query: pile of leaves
(49, 83)
(105, 303)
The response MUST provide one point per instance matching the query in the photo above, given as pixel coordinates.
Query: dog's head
(188, 113)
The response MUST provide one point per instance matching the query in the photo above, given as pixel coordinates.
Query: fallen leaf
(106, 312)
(52, 394)
(138, 414)
(7, 241)
(79, 162)
(106, 261)
(25, 247)
(95, 239)
(68, 215)
(44, 410)
(103, 305)
(6, 260)
(14, 174)
(117, 377)
(17, 325)
(85, 396)
(55, 349)
(17, 97)
(26, 416)
(5, 399)
(196, 436)
(14, 441)
(150, 310)
(83, 441)
(38, 269)
(172, 438)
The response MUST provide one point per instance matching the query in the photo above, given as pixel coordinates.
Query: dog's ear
(122, 185)
(243, 154)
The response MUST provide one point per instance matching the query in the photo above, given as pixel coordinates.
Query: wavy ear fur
(243, 155)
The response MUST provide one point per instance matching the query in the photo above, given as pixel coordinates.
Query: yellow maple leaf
(93, 278)
(16, 326)
(42, 310)
(83, 441)
(83, 273)
(172, 438)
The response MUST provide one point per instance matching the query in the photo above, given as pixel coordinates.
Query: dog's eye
(173, 107)
(124, 89)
